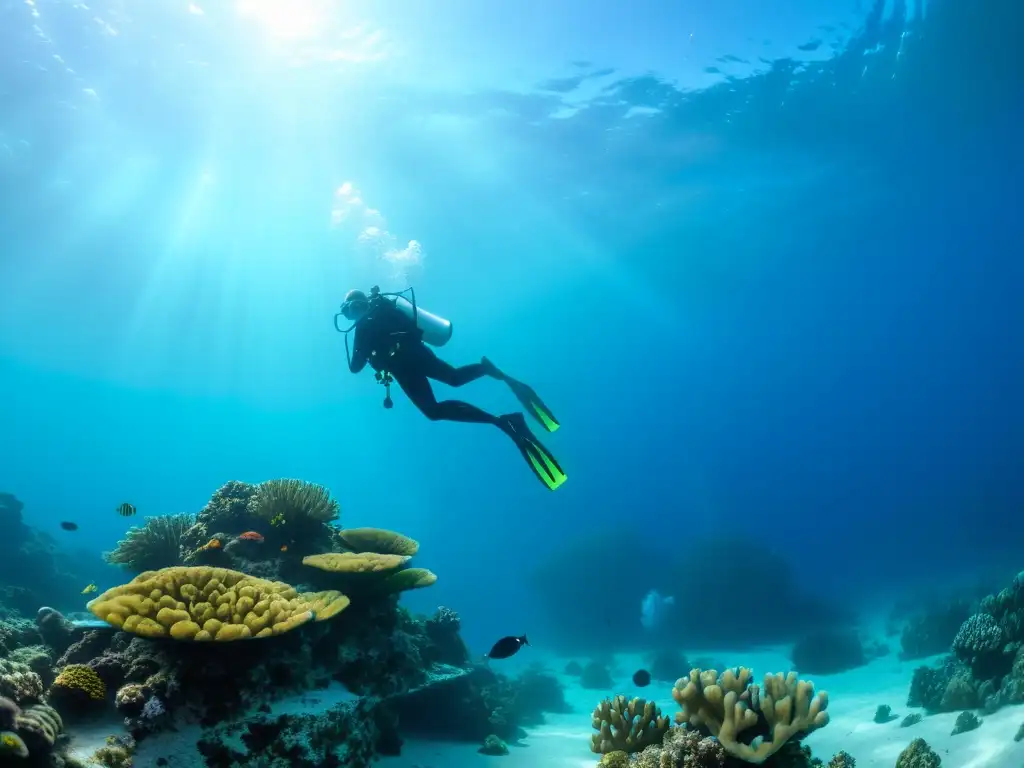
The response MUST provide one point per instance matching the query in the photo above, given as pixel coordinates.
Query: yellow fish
(90, 588)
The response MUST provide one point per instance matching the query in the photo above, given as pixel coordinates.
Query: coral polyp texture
(211, 604)
(81, 681)
(729, 706)
(626, 725)
(155, 544)
(378, 540)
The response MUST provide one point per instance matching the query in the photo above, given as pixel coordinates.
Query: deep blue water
(765, 267)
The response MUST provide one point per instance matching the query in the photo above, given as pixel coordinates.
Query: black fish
(641, 678)
(507, 646)
(67, 525)
(126, 510)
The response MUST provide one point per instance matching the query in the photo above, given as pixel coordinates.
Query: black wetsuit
(389, 340)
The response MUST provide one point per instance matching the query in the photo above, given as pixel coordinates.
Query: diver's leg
(438, 370)
(417, 388)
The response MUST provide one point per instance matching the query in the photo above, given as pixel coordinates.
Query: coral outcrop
(203, 604)
(626, 725)
(153, 545)
(986, 667)
(730, 708)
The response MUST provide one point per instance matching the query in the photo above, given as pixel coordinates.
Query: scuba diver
(392, 334)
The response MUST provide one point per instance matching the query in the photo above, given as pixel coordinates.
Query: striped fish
(126, 510)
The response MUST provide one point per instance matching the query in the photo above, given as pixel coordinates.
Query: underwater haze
(763, 260)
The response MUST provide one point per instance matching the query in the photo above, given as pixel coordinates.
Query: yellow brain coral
(378, 540)
(351, 562)
(81, 679)
(204, 603)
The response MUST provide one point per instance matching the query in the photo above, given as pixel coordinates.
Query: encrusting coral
(203, 603)
(626, 725)
(153, 545)
(730, 705)
(79, 682)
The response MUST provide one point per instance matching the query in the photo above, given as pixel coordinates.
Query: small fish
(90, 589)
(641, 678)
(251, 536)
(284, 547)
(211, 544)
(126, 510)
(507, 646)
(67, 525)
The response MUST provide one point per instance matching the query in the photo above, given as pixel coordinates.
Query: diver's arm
(359, 358)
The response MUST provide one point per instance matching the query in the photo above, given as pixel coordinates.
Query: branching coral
(729, 705)
(292, 503)
(154, 545)
(683, 748)
(626, 725)
(203, 603)
(19, 683)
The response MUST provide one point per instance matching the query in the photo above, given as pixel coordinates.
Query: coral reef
(19, 683)
(912, 719)
(153, 545)
(347, 734)
(626, 725)
(493, 746)
(918, 755)
(965, 721)
(829, 652)
(729, 707)
(683, 748)
(884, 714)
(986, 666)
(204, 603)
(668, 665)
(443, 631)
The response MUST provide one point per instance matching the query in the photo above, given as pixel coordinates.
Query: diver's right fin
(538, 458)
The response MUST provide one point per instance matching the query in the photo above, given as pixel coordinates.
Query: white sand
(564, 741)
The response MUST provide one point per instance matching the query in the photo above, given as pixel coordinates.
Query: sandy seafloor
(564, 740)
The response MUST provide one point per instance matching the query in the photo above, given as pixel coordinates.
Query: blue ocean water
(763, 263)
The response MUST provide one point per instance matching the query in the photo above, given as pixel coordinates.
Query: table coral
(203, 603)
(626, 725)
(351, 562)
(727, 706)
(378, 540)
(410, 578)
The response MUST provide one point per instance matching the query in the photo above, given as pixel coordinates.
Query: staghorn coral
(378, 540)
(729, 705)
(156, 544)
(292, 503)
(77, 684)
(203, 603)
(350, 562)
(626, 725)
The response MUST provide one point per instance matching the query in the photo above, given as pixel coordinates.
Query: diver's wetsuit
(389, 340)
